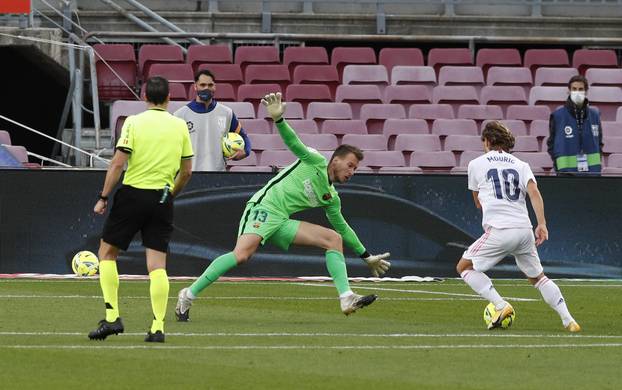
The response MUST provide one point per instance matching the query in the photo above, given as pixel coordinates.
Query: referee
(156, 147)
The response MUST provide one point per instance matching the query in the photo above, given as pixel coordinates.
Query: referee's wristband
(102, 197)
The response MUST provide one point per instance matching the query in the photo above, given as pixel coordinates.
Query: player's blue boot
(106, 328)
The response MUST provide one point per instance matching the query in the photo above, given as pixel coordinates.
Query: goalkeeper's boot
(353, 302)
(106, 328)
(157, 337)
(573, 327)
(500, 315)
(182, 309)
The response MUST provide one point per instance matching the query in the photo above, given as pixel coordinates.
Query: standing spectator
(156, 146)
(575, 139)
(208, 122)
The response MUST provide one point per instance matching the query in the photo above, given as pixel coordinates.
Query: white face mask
(577, 97)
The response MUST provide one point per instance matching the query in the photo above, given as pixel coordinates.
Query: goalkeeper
(306, 183)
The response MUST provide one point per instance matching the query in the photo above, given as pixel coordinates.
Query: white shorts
(495, 244)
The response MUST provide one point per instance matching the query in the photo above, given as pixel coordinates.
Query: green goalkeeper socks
(109, 282)
(336, 264)
(216, 269)
(158, 290)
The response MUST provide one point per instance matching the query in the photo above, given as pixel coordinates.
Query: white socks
(553, 296)
(481, 284)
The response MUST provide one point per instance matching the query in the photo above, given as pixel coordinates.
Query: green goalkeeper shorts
(274, 228)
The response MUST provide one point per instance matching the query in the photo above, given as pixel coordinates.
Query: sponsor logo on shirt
(595, 130)
(568, 132)
(190, 126)
(308, 189)
(222, 121)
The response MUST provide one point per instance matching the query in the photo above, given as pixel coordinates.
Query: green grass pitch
(292, 335)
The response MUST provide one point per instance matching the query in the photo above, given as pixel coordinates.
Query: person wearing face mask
(208, 122)
(575, 139)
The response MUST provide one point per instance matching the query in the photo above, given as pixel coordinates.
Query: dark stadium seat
(526, 144)
(341, 127)
(607, 100)
(255, 92)
(443, 160)
(374, 115)
(309, 55)
(536, 58)
(256, 126)
(307, 126)
(420, 75)
(461, 75)
(550, 77)
(439, 57)
(552, 97)
(320, 141)
(455, 95)
(366, 74)
(366, 141)
(226, 73)
(528, 113)
(516, 126)
(604, 77)
(5, 137)
(342, 56)
(406, 95)
(317, 74)
(487, 58)
(294, 111)
(503, 96)
(267, 74)
(445, 127)
(395, 56)
(460, 143)
(357, 95)
(208, 54)
(242, 110)
(594, 58)
(246, 55)
(122, 59)
(152, 54)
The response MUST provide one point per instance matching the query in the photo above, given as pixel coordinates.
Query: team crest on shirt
(568, 132)
(256, 225)
(327, 196)
(190, 126)
(595, 130)
(222, 121)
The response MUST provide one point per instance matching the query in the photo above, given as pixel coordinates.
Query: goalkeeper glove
(377, 263)
(274, 106)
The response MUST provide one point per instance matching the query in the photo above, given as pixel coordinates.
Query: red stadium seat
(612, 145)
(614, 160)
(607, 100)
(536, 159)
(374, 115)
(440, 57)
(307, 93)
(122, 60)
(480, 113)
(309, 55)
(366, 142)
(120, 110)
(242, 110)
(268, 74)
(528, 113)
(516, 126)
(460, 143)
(445, 127)
(455, 95)
(357, 95)
(251, 168)
(174, 73)
(610, 129)
(224, 93)
(366, 74)
(535, 58)
(19, 152)
(208, 54)
(320, 111)
(342, 56)
(152, 54)
(461, 75)
(604, 77)
(317, 74)
(255, 92)
(261, 142)
(246, 55)
(277, 158)
(294, 111)
(250, 160)
(619, 115)
(430, 112)
(226, 73)
(601, 58)
(503, 96)
(5, 137)
(487, 58)
(435, 161)
(307, 126)
(341, 127)
(520, 77)
(550, 77)
(539, 128)
(378, 159)
(256, 126)
(526, 144)
(177, 91)
(552, 97)
(420, 75)
(417, 142)
(393, 56)
(469, 155)
(406, 95)
(320, 141)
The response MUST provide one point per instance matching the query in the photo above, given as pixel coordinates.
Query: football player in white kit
(500, 182)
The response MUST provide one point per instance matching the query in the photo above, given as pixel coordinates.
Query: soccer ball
(490, 312)
(231, 143)
(85, 263)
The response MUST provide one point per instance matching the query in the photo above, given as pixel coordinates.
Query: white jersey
(501, 182)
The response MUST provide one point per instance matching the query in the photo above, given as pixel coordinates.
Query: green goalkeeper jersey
(303, 185)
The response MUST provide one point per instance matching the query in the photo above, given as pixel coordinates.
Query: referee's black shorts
(134, 209)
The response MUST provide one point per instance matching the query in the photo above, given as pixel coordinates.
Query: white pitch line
(366, 335)
(310, 347)
(476, 298)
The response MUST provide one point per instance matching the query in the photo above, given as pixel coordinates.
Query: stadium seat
(528, 113)
(122, 60)
(516, 126)
(536, 159)
(152, 54)
(267, 74)
(433, 161)
(342, 56)
(307, 93)
(455, 95)
(120, 110)
(503, 96)
(460, 143)
(366, 142)
(306, 126)
(619, 115)
(552, 97)
(208, 54)
(480, 113)
(445, 127)
(321, 111)
(612, 145)
(19, 152)
(430, 112)
(294, 111)
(242, 110)
(550, 77)
(261, 142)
(520, 77)
(224, 93)
(469, 155)
(357, 95)
(439, 57)
(374, 115)
(461, 75)
(595, 58)
(394, 127)
(417, 142)
(604, 77)
(407, 95)
(378, 159)
(177, 91)
(526, 144)
(366, 74)
(487, 58)
(342, 127)
(610, 129)
(255, 92)
(225, 73)
(277, 158)
(320, 141)
(246, 55)
(5, 137)
(614, 160)
(607, 100)
(536, 58)
(539, 128)
(396, 56)
(309, 55)
(256, 126)
(317, 74)
(174, 73)
(420, 75)
(251, 159)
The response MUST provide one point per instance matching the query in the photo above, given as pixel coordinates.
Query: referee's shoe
(106, 328)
